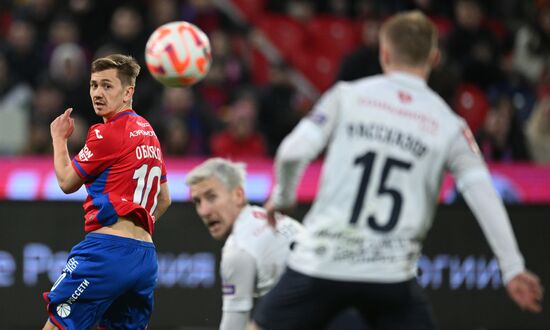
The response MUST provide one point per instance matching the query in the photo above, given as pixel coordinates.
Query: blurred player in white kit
(254, 255)
(390, 139)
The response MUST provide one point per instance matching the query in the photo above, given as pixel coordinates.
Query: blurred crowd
(495, 72)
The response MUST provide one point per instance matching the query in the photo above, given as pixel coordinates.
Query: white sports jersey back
(388, 138)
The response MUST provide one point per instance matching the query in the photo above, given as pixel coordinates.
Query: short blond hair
(126, 66)
(411, 36)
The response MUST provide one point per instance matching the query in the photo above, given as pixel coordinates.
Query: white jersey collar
(245, 212)
(407, 78)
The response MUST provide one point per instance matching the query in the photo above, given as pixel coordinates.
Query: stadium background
(271, 60)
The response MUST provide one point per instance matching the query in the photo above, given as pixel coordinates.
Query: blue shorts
(108, 280)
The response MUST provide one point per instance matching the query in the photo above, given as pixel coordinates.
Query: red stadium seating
(285, 33)
(471, 103)
(319, 67)
(443, 24)
(333, 34)
(251, 9)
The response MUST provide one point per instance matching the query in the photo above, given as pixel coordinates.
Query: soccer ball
(178, 54)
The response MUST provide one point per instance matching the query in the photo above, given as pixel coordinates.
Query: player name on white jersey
(390, 135)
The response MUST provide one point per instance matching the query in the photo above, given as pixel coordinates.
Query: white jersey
(390, 139)
(254, 257)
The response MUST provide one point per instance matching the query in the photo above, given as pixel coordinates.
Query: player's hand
(62, 127)
(273, 212)
(270, 210)
(526, 291)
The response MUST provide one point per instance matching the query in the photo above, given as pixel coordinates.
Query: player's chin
(217, 233)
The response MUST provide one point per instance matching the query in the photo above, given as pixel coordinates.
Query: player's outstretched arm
(526, 291)
(474, 181)
(163, 201)
(61, 129)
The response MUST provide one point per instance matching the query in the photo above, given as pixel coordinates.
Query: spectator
(501, 138)
(15, 99)
(538, 131)
(93, 19)
(41, 13)
(68, 71)
(532, 46)
(278, 113)
(214, 88)
(473, 47)
(185, 127)
(363, 61)
(241, 138)
(223, 52)
(162, 12)
(202, 13)
(46, 102)
(63, 29)
(22, 51)
(127, 31)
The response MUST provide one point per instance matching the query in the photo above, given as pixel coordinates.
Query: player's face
(109, 95)
(217, 205)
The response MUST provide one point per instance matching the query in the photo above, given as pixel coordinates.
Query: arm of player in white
(303, 145)
(474, 181)
(238, 271)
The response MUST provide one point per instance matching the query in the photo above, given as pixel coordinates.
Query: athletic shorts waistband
(120, 240)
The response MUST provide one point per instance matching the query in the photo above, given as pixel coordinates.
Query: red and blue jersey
(123, 167)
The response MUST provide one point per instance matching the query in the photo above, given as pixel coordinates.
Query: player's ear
(239, 194)
(128, 94)
(384, 55)
(435, 58)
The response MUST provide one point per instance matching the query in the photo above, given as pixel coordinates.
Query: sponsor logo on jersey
(318, 118)
(85, 154)
(142, 124)
(404, 97)
(228, 289)
(425, 122)
(98, 134)
(471, 140)
(70, 266)
(78, 292)
(63, 310)
(141, 132)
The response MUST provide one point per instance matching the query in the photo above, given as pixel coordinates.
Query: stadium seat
(319, 67)
(471, 103)
(260, 67)
(443, 24)
(251, 9)
(333, 34)
(285, 33)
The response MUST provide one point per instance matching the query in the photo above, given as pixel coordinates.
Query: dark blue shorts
(108, 280)
(300, 302)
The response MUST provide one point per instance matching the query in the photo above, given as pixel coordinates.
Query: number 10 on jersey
(145, 180)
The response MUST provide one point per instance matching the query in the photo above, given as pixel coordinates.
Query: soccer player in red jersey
(110, 276)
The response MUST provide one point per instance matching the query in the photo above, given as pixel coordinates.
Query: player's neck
(121, 109)
(420, 72)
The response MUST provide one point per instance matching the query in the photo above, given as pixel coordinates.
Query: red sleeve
(101, 150)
